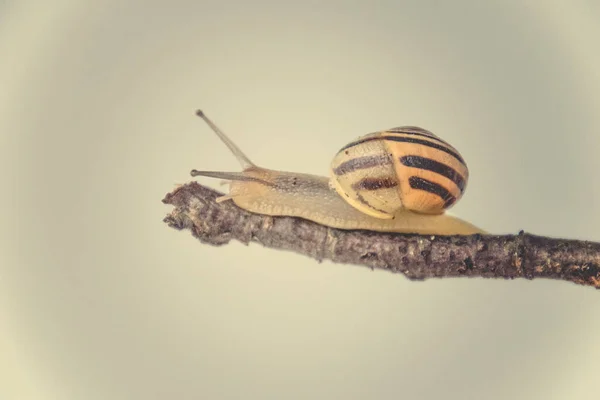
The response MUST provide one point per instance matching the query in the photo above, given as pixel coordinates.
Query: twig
(417, 257)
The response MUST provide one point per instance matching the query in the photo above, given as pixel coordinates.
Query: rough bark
(418, 257)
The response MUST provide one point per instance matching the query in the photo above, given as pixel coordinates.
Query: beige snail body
(368, 194)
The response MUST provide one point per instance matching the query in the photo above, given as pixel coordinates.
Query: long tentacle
(230, 176)
(237, 152)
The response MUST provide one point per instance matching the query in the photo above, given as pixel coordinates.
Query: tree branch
(418, 257)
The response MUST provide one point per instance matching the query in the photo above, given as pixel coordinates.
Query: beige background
(100, 300)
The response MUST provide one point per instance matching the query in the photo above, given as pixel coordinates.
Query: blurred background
(99, 299)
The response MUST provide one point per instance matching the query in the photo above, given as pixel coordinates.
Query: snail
(399, 180)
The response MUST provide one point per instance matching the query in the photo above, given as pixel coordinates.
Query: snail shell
(405, 167)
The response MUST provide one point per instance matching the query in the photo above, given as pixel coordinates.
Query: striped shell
(407, 166)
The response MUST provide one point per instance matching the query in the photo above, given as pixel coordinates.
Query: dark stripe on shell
(375, 183)
(359, 141)
(361, 163)
(433, 188)
(429, 164)
(416, 131)
(408, 140)
(427, 144)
